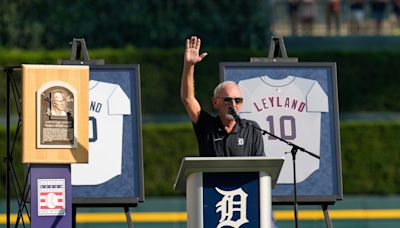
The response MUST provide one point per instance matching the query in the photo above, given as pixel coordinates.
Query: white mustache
(229, 117)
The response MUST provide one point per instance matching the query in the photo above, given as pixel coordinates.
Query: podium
(228, 191)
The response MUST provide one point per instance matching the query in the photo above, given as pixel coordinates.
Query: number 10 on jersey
(285, 126)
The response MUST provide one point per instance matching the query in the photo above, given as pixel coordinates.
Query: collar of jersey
(277, 82)
(92, 84)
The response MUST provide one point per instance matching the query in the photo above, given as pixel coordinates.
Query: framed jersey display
(114, 173)
(297, 102)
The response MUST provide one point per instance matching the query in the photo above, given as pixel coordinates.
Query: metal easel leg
(73, 215)
(328, 221)
(128, 217)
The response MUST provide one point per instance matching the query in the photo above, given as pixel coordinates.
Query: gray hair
(220, 86)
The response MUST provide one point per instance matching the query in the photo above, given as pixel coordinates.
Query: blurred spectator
(307, 11)
(396, 10)
(356, 16)
(378, 8)
(293, 9)
(332, 15)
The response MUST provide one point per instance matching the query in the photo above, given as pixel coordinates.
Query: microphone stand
(293, 151)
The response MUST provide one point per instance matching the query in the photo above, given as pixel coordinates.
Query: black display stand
(277, 54)
(22, 193)
(80, 56)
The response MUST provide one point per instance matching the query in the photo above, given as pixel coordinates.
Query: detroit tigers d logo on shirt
(240, 141)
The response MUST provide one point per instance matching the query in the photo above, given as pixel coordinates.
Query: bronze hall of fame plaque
(56, 109)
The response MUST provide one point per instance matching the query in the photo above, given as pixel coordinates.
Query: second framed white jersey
(289, 108)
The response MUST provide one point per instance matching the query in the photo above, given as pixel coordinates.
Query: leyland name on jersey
(289, 108)
(107, 105)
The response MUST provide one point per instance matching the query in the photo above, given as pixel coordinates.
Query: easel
(277, 54)
(79, 56)
(11, 176)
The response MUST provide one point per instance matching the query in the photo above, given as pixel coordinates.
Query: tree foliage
(144, 23)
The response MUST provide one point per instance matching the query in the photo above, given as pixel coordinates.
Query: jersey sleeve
(246, 106)
(119, 103)
(317, 100)
(246, 88)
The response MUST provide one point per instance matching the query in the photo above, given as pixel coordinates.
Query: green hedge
(164, 146)
(371, 157)
(367, 80)
(370, 154)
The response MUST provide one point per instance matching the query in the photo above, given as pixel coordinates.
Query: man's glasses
(229, 100)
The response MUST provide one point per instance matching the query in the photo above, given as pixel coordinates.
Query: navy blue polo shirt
(214, 141)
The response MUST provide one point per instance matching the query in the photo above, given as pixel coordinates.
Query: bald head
(227, 87)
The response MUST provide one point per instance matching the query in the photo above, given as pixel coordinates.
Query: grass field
(170, 212)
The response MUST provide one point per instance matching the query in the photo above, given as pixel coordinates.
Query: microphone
(233, 112)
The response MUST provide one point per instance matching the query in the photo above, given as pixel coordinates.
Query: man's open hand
(192, 49)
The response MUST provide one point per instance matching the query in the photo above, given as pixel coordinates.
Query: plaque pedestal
(51, 196)
(55, 135)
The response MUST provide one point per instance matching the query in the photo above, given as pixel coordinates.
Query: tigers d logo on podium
(231, 200)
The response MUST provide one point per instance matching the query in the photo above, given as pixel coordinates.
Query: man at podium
(220, 135)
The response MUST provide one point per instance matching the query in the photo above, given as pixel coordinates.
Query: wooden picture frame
(323, 183)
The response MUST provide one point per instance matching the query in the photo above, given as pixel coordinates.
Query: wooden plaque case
(38, 82)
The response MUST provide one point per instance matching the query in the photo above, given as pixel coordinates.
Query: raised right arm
(191, 57)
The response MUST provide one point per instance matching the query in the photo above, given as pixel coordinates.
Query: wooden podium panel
(50, 135)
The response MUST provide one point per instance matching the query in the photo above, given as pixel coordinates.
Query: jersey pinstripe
(289, 108)
(107, 105)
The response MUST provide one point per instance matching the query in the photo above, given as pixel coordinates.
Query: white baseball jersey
(107, 105)
(289, 108)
